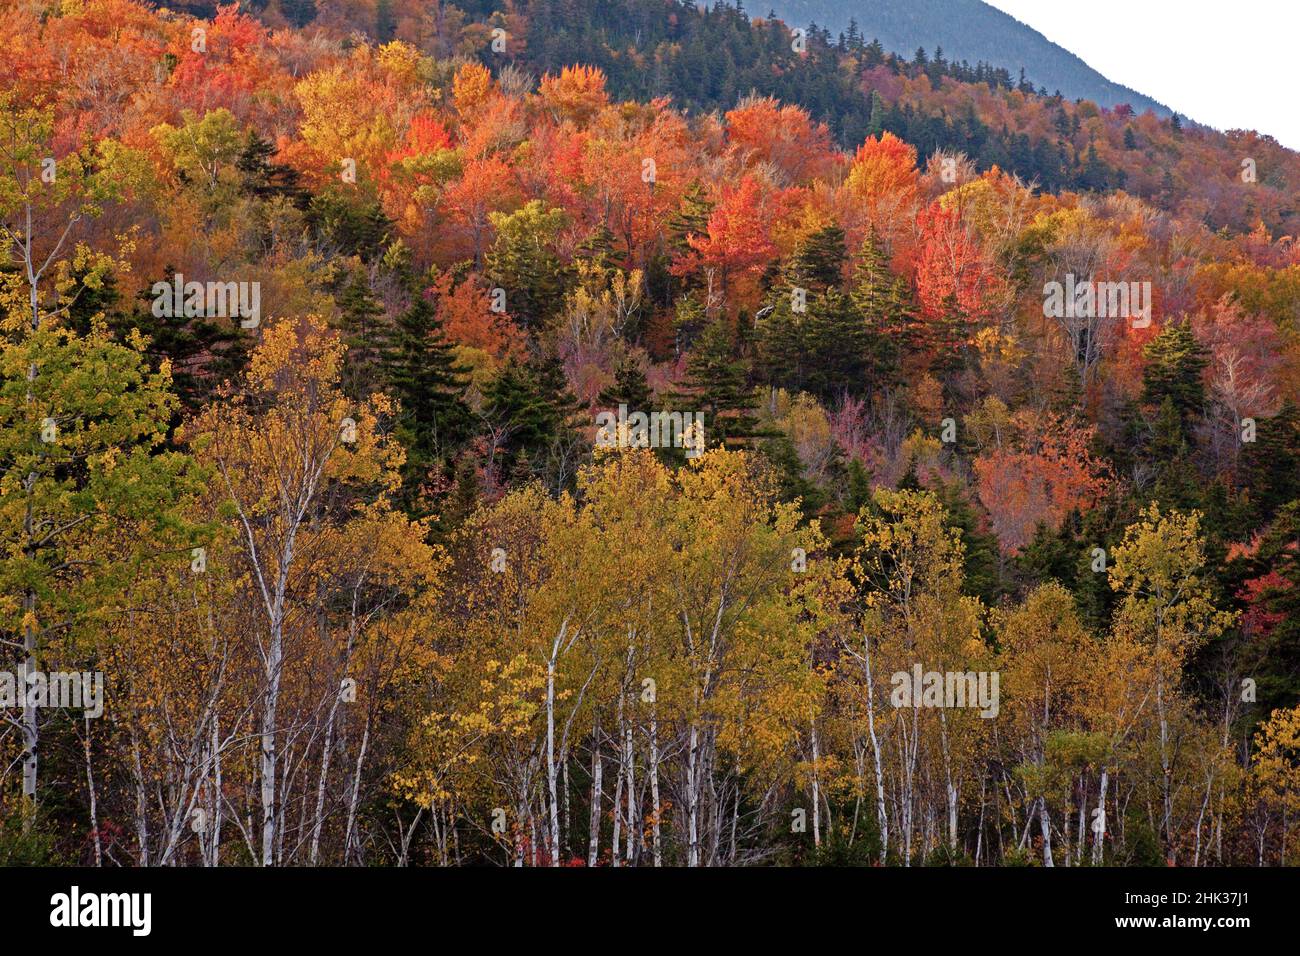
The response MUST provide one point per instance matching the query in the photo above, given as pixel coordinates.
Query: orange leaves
(496, 126)
(219, 61)
(471, 87)
(1044, 470)
(783, 136)
(951, 270)
(467, 319)
(738, 241)
(486, 185)
(634, 169)
(884, 168)
(577, 94)
(425, 136)
(881, 190)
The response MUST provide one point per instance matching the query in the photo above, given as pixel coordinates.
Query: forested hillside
(966, 30)
(571, 433)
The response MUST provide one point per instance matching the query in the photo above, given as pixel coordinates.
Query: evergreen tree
(422, 373)
(299, 13)
(464, 498)
(598, 250)
(263, 179)
(522, 262)
(716, 382)
(817, 262)
(203, 352)
(1175, 361)
(887, 309)
(876, 124)
(367, 333)
(691, 217)
(1050, 556)
(858, 487)
(1168, 453)
(385, 22)
(532, 413)
(629, 387)
(1270, 466)
(842, 350)
(950, 333)
(342, 226)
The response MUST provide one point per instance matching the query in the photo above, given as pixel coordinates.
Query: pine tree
(203, 352)
(716, 381)
(628, 388)
(690, 219)
(981, 572)
(688, 320)
(367, 333)
(1175, 361)
(876, 123)
(782, 345)
(845, 353)
(1270, 466)
(885, 304)
(299, 13)
(385, 22)
(949, 334)
(522, 262)
(533, 414)
(422, 373)
(817, 262)
(263, 179)
(598, 250)
(874, 56)
(858, 487)
(1168, 451)
(345, 227)
(462, 501)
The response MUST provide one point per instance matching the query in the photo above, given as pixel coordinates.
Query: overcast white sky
(1231, 65)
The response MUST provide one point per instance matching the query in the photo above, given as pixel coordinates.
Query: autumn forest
(574, 433)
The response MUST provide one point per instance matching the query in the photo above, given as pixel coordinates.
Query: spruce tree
(522, 262)
(628, 388)
(1175, 361)
(716, 383)
(263, 179)
(422, 373)
(203, 352)
(598, 250)
(1270, 466)
(885, 304)
(691, 217)
(818, 260)
(367, 333)
(533, 414)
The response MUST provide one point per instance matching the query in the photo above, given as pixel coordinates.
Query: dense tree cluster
(368, 585)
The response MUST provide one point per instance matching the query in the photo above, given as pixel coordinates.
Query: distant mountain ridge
(966, 30)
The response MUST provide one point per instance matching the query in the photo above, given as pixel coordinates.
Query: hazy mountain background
(966, 30)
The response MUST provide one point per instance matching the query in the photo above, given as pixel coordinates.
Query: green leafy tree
(523, 263)
(87, 492)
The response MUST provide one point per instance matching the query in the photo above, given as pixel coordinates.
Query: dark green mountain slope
(964, 30)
